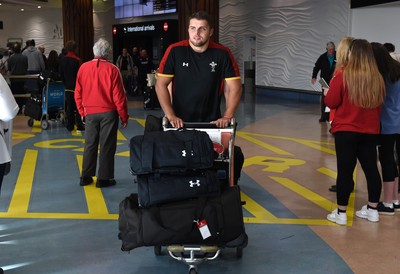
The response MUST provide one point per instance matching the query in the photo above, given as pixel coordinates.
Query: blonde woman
(356, 92)
(342, 57)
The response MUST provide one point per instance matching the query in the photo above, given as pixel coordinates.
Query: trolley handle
(193, 125)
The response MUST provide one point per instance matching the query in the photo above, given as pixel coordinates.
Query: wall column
(78, 26)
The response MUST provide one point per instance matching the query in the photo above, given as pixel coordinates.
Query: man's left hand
(222, 122)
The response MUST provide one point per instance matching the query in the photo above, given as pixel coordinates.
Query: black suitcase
(176, 223)
(159, 188)
(33, 108)
(150, 99)
(171, 151)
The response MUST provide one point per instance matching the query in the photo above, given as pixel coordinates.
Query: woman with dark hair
(52, 65)
(356, 92)
(52, 61)
(390, 127)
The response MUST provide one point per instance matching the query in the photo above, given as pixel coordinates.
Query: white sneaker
(371, 215)
(339, 218)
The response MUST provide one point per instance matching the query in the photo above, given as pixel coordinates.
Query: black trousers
(351, 146)
(387, 158)
(71, 112)
(100, 131)
(324, 115)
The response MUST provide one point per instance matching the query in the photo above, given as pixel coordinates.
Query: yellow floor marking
(19, 135)
(37, 128)
(263, 216)
(142, 122)
(262, 144)
(23, 187)
(328, 172)
(305, 193)
(94, 197)
(312, 144)
(121, 136)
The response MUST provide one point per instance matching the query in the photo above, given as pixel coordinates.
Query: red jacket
(99, 89)
(348, 116)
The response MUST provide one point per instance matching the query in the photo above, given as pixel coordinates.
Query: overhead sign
(139, 28)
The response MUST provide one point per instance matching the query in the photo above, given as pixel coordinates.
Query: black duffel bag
(161, 188)
(175, 223)
(171, 151)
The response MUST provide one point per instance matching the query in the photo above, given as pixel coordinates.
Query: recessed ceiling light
(22, 9)
(39, 7)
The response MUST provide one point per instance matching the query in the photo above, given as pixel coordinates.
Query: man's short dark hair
(202, 15)
(70, 46)
(16, 47)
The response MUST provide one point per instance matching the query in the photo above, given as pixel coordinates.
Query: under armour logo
(184, 153)
(185, 64)
(213, 65)
(192, 184)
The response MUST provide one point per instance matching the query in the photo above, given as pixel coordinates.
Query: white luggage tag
(203, 227)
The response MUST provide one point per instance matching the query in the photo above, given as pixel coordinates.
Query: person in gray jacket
(35, 59)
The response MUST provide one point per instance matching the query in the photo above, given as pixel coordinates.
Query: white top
(8, 110)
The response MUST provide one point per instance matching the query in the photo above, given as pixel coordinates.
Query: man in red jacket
(100, 99)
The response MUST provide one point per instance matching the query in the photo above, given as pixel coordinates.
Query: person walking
(127, 67)
(325, 64)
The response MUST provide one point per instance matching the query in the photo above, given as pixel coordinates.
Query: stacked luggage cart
(46, 105)
(187, 200)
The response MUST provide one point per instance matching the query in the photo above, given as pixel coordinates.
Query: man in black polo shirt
(201, 72)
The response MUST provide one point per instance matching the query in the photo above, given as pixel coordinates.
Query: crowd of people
(364, 101)
(134, 69)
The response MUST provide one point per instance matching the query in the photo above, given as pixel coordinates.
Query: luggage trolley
(50, 107)
(223, 140)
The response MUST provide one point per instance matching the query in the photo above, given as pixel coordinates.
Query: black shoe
(321, 120)
(332, 188)
(105, 183)
(86, 181)
(385, 210)
(80, 128)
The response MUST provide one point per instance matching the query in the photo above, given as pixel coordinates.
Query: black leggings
(386, 157)
(351, 146)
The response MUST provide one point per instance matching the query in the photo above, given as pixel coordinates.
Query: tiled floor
(50, 224)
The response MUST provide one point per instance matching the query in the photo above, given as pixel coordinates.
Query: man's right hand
(175, 121)
(313, 80)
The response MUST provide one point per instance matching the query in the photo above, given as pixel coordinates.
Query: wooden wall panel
(78, 26)
(187, 7)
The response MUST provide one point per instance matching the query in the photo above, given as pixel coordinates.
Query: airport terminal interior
(50, 224)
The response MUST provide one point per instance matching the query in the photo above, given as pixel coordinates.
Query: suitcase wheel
(44, 124)
(192, 270)
(30, 122)
(157, 250)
